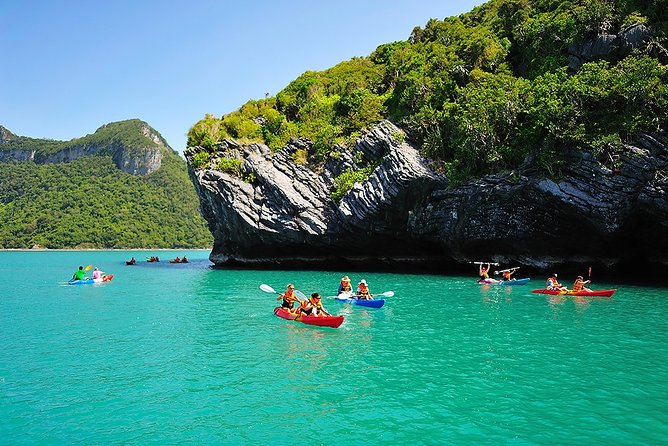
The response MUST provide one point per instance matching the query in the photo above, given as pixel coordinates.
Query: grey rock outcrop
(615, 47)
(278, 213)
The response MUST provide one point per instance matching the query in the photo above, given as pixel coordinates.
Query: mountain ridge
(134, 145)
(120, 187)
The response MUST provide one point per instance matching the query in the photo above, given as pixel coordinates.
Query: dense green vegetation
(479, 93)
(90, 203)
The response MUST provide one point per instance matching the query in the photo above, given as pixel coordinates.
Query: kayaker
(344, 286)
(553, 284)
(579, 284)
(132, 261)
(184, 260)
(313, 306)
(289, 298)
(506, 274)
(79, 274)
(484, 272)
(363, 290)
(97, 274)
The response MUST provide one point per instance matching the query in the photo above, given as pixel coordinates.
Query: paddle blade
(300, 295)
(388, 294)
(267, 289)
(88, 267)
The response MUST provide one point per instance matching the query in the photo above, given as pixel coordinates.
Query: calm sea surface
(185, 354)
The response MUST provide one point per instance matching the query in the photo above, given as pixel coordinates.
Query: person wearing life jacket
(289, 299)
(506, 274)
(313, 306)
(363, 291)
(344, 286)
(579, 284)
(553, 284)
(484, 272)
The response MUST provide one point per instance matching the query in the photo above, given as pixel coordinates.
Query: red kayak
(599, 293)
(321, 321)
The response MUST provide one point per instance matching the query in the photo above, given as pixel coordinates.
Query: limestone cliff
(278, 213)
(135, 147)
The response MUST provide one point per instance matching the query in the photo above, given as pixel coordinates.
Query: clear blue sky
(69, 67)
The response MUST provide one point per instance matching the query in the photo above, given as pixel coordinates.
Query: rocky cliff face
(132, 159)
(615, 47)
(407, 214)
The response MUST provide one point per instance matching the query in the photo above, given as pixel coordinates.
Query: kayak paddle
(267, 289)
(505, 270)
(88, 267)
(385, 294)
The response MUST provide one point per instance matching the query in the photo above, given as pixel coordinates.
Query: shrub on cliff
(478, 92)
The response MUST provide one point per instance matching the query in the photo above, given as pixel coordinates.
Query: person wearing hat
(363, 290)
(344, 286)
(97, 274)
(579, 284)
(553, 284)
(313, 306)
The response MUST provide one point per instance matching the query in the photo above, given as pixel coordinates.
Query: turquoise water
(185, 354)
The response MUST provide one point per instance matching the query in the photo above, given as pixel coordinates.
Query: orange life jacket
(578, 285)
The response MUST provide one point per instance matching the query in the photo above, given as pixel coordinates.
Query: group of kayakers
(506, 274)
(80, 274)
(362, 291)
(552, 284)
(311, 306)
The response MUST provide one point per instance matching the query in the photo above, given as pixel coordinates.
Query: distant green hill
(487, 91)
(91, 201)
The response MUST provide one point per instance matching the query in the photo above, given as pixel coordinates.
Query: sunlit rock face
(277, 213)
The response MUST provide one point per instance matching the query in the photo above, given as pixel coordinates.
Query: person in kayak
(506, 274)
(289, 299)
(484, 272)
(579, 284)
(553, 284)
(97, 274)
(79, 274)
(184, 260)
(313, 306)
(344, 286)
(363, 290)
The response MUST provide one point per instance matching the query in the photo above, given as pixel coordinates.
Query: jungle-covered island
(529, 131)
(120, 187)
